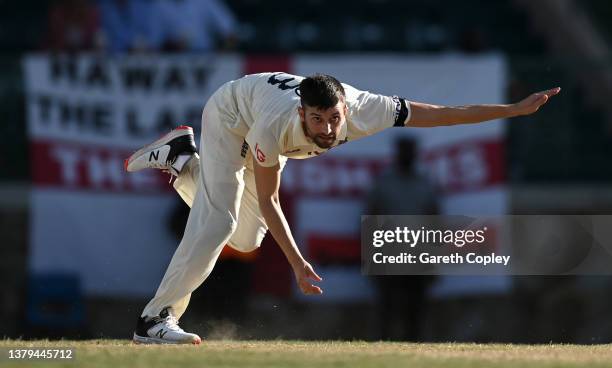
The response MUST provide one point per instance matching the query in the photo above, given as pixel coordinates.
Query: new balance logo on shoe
(161, 333)
(154, 154)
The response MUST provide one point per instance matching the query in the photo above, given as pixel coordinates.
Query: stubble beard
(321, 140)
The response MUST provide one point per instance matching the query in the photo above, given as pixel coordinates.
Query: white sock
(181, 160)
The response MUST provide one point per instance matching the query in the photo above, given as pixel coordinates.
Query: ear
(302, 113)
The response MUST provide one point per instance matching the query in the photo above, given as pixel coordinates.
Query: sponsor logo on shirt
(261, 157)
(244, 149)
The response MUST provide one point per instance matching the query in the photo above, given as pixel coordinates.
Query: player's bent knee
(217, 230)
(230, 227)
(247, 238)
(245, 247)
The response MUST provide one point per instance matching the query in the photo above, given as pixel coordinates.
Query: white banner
(87, 113)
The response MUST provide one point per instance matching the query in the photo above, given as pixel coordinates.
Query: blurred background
(83, 83)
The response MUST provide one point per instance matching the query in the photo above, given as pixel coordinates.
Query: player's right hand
(303, 274)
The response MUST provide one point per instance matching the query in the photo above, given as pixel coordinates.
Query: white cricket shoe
(163, 329)
(168, 153)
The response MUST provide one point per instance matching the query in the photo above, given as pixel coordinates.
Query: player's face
(323, 125)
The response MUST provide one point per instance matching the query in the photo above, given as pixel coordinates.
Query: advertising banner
(87, 113)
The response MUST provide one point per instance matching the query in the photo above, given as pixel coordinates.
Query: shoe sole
(155, 341)
(175, 133)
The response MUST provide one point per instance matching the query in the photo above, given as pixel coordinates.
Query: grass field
(277, 353)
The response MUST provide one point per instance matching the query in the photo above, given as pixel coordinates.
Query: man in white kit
(250, 127)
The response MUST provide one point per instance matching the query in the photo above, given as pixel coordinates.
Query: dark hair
(321, 91)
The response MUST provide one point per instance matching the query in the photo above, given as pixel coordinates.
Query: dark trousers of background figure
(401, 306)
(225, 295)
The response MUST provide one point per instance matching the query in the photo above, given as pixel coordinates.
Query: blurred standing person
(193, 25)
(73, 25)
(126, 25)
(402, 298)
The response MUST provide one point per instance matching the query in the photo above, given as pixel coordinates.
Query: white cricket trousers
(220, 189)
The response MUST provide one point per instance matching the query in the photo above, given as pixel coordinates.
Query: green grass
(278, 353)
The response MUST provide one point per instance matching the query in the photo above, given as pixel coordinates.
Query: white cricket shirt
(266, 106)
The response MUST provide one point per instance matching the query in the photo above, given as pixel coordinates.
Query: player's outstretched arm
(267, 181)
(426, 115)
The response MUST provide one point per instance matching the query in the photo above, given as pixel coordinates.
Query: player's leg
(175, 152)
(212, 220)
(251, 225)
(209, 226)
(169, 153)
(188, 180)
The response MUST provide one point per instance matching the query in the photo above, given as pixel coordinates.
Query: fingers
(550, 92)
(313, 275)
(534, 101)
(542, 97)
(305, 273)
(310, 289)
(315, 290)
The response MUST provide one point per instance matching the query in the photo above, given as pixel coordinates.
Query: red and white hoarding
(86, 113)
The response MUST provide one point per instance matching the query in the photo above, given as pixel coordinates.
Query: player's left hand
(532, 103)
(303, 274)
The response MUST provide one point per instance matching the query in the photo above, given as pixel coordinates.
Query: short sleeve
(371, 113)
(263, 145)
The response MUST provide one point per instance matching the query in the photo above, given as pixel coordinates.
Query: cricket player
(250, 127)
